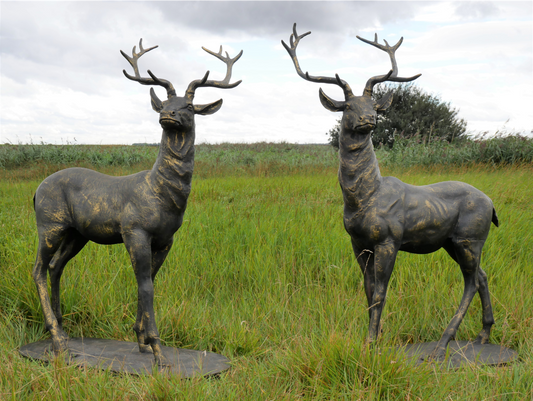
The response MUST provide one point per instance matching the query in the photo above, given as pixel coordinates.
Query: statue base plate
(462, 353)
(124, 357)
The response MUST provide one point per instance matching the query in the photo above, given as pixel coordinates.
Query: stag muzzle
(169, 123)
(365, 123)
(175, 119)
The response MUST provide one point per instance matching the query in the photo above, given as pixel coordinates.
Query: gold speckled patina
(142, 210)
(384, 215)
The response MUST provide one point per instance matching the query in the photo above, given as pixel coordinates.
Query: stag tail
(495, 218)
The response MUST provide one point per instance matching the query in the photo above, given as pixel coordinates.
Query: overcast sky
(62, 80)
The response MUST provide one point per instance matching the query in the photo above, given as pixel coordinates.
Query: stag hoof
(161, 362)
(371, 342)
(438, 355)
(145, 348)
(482, 338)
(59, 341)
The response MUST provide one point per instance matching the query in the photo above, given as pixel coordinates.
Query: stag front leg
(138, 245)
(365, 259)
(158, 257)
(384, 259)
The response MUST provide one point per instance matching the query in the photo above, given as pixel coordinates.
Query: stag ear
(384, 103)
(329, 103)
(156, 103)
(205, 109)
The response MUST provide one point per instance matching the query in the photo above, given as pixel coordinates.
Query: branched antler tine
(204, 79)
(327, 80)
(398, 44)
(294, 39)
(164, 83)
(404, 79)
(135, 56)
(229, 64)
(226, 59)
(145, 81)
(224, 84)
(195, 84)
(393, 74)
(142, 51)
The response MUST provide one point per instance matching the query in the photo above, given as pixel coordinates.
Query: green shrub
(510, 149)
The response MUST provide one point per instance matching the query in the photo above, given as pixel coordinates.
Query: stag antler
(294, 40)
(223, 84)
(146, 81)
(392, 75)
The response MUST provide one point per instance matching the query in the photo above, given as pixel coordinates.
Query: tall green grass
(262, 272)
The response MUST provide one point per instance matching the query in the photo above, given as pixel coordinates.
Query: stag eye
(190, 107)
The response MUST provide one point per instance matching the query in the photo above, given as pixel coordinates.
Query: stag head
(178, 112)
(359, 112)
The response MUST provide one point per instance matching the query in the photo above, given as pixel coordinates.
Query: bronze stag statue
(143, 210)
(383, 215)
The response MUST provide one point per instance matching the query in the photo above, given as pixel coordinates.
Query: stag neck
(359, 173)
(171, 174)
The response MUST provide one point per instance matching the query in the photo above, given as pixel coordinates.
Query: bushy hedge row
(499, 150)
(406, 152)
(13, 156)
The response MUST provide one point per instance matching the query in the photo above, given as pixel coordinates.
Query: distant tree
(413, 113)
(334, 135)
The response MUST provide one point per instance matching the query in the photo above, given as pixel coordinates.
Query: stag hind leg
(484, 295)
(488, 317)
(55, 249)
(70, 246)
(467, 253)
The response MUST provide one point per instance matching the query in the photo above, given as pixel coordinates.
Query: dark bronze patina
(142, 210)
(384, 215)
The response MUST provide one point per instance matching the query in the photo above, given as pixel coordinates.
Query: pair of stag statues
(382, 215)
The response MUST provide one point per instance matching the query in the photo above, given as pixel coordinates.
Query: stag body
(142, 210)
(383, 215)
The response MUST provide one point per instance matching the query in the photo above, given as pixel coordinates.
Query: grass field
(262, 272)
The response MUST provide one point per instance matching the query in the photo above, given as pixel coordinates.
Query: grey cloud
(59, 42)
(476, 10)
(55, 41)
(271, 18)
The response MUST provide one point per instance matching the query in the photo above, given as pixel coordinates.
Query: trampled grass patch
(262, 272)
